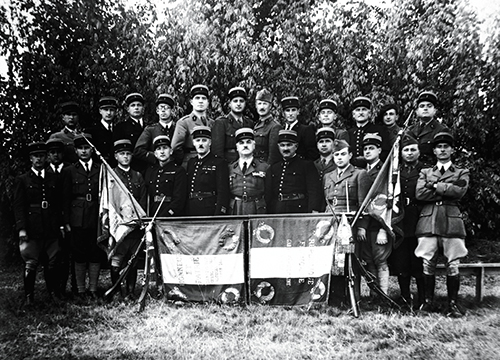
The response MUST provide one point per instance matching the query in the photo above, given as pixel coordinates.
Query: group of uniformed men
(232, 165)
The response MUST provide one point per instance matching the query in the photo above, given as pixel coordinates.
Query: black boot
(429, 284)
(404, 286)
(52, 282)
(421, 292)
(453, 285)
(115, 275)
(131, 281)
(29, 286)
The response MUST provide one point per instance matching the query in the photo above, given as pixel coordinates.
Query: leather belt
(158, 198)
(332, 201)
(246, 198)
(44, 205)
(87, 197)
(201, 195)
(446, 202)
(288, 197)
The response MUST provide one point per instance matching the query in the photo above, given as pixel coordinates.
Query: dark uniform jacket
(208, 182)
(81, 195)
(102, 139)
(144, 147)
(67, 136)
(266, 133)
(169, 181)
(307, 141)
(352, 186)
(374, 224)
(323, 169)
(440, 215)
(182, 141)
(411, 206)
(247, 190)
(135, 184)
(392, 133)
(293, 186)
(356, 135)
(424, 133)
(131, 130)
(37, 205)
(223, 136)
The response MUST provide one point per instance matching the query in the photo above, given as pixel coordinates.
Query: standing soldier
(81, 211)
(165, 179)
(55, 151)
(266, 129)
(165, 126)
(305, 133)
(224, 127)
(426, 127)
(345, 189)
(208, 178)
(135, 184)
(440, 224)
(292, 185)
(38, 218)
(388, 117)
(324, 137)
(403, 261)
(182, 141)
(70, 117)
(247, 177)
(327, 117)
(102, 132)
(361, 113)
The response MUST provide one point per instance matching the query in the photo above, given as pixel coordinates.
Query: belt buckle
(88, 197)
(244, 197)
(280, 197)
(407, 200)
(439, 203)
(157, 198)
(45, 204)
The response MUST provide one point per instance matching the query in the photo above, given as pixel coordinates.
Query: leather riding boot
(131, 281)
(429, 284)
(420, 290)
(404, 287)
(452, 286)
(29, 285)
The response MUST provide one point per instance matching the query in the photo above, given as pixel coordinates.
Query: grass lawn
(90, 330)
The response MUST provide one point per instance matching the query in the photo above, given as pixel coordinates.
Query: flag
(118, 211)
(291, 259)
(383, 201)
(202, 260)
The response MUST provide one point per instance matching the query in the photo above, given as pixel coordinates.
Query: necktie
(244, 170)
(323, 162)
(442, 170)
(39, 173)
(87, 169)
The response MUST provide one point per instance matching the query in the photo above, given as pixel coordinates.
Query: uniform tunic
(102, 139)
(424, 133)
(169, 181)
(130, 129)
(67, 136)
(292, 186)
(81, 210)
(182, 141)
(266, 133)
(208, 186)
(144, 147)
(307, 141)
(247, 190)
(356, 135)
(37, 209)
(324, 168)
(223, 136)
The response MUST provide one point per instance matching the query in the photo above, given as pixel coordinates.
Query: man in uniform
(70, 117)
(305, 133)
(102, 132)
(361, 113)
(427, 126)
(224, 127)
(165, 179)
(165, 126)
(55, 151)
(208, 178)
(324, 137)
(37, 211)
(182, 141)
(377, 248)
(247, 177)
(345, 189)
(135, 184)
(403, 262)
(131, 128)
(440, 224)
(389, 116)
(81, 211)
(327, 117)
(292, 185)
(266, 129)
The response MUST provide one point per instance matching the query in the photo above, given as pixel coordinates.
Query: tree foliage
(84, 49)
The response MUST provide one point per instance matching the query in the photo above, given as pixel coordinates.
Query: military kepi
(328, 104)
(165, 99)
(37, 147)
(290, 102)
(199, 90)
(427, 96)
(79, 139)
(237, 92)
(133, 97)
(55, 144)
(443, 137)
(69, 107)
(161, 140)
(325, 133)
(361, 101)
(201, 131)
(108, 102)
(372, 139)
(122, 145)
(287, 135)
(244, 133)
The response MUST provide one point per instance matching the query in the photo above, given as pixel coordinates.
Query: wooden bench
(478, 269)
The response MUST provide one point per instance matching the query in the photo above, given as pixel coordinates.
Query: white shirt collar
(106, 125)
(89, 163)
(42, 172)
(290, 126)
(445, 165)
(57, 168)
(248, 161)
